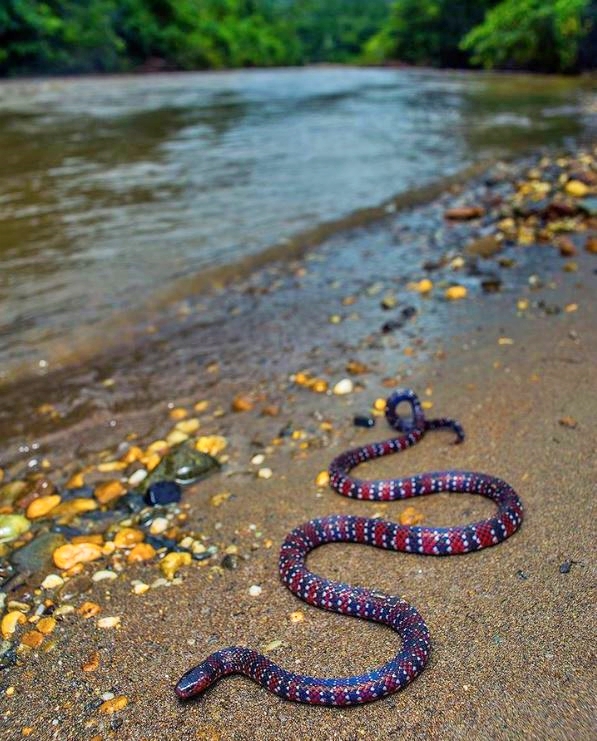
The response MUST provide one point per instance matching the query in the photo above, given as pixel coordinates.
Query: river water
(117, 190)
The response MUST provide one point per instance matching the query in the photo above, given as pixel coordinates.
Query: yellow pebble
(41, 506)
(66, 556)
(141, 552)
(201, 406)
(128, 537)
(74, 507)
(576, 188)
(218, 499)
(322, 479)
(32, 639)
(109, 491)
(10, 621)
(157, 446)
(454, 293)
(89, 609)
(188, 426)
(319, 386)
(426, 404)
(175, 437)
(76, 481)
(46, 625)
(410, 516)
(211, 444)
(134, 453)
(170, 564)
(110, 466)
(113, 706)
(297, 617)
(379, 405)
(178, 413)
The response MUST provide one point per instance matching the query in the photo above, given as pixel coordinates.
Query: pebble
(242, 403)
(109, 622)
(183, 465)
(42, 506)
(103, 575)
(171, 562)
(46, 625)
(163, 492)
(363, 420)
(32, 639)
(141, 552)
(113, 705)
(258, 459)
(52, 581)
(9, 623)
(89, 609)
(211, 444)
(423, 286)
(137, 477)
(454, 293)
(255, 590)
(159, 525)
(140, 587)
(410, 516)
(576, 188)
(343, 387)
(322, 479)
(108, 491)
(66, 556)
(218, 499)
(464, 213)
(11, 526)
(297, 616)
(128, 537)
(36, 556)
(265, 473)
(188, 426)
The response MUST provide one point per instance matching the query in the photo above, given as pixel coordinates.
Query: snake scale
(356, 601)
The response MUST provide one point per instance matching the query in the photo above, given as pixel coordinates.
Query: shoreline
(509, 627)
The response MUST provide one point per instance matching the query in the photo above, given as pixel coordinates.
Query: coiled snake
(358, 602)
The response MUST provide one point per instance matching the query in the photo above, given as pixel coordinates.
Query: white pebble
(159, 525)
(258, 459)
(140, 587)
(345, 386)
(109, 622)
(108, 696)
(104, 574)
(265, 473)
(137, 477)
(63, 610)
(52, 581)
(255, 590)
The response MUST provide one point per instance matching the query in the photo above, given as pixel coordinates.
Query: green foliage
(335, 30)
(66, 36)
(426, 32)
(543, 35)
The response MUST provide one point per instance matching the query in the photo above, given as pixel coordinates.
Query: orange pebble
(141, 552)
(41, 506)
(89, 609)
(66, 556)
(410, 516)
(128, 537)
(33, 639)
(46, 625)
(109, 491)
(113, 706)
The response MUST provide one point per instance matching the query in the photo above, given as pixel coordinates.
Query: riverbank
(512, 361)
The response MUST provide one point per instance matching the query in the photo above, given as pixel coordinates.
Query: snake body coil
(358, 602)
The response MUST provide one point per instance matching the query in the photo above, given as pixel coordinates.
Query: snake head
(197, 680)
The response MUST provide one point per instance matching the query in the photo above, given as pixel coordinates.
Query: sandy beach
(511, 626)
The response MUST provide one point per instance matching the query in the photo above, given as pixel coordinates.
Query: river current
(114, 190)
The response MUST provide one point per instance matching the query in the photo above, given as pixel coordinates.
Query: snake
(335, 596)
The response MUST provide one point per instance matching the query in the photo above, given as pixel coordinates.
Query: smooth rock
(363, 420)
(163, 492)
(11, 526)
(184, 465)
(36, 556)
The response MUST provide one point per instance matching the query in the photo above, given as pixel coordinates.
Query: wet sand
(512, 635)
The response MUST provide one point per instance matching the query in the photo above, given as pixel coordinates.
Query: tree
(541, 35)
(426, 32)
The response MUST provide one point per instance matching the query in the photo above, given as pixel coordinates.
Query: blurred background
(116, 189)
